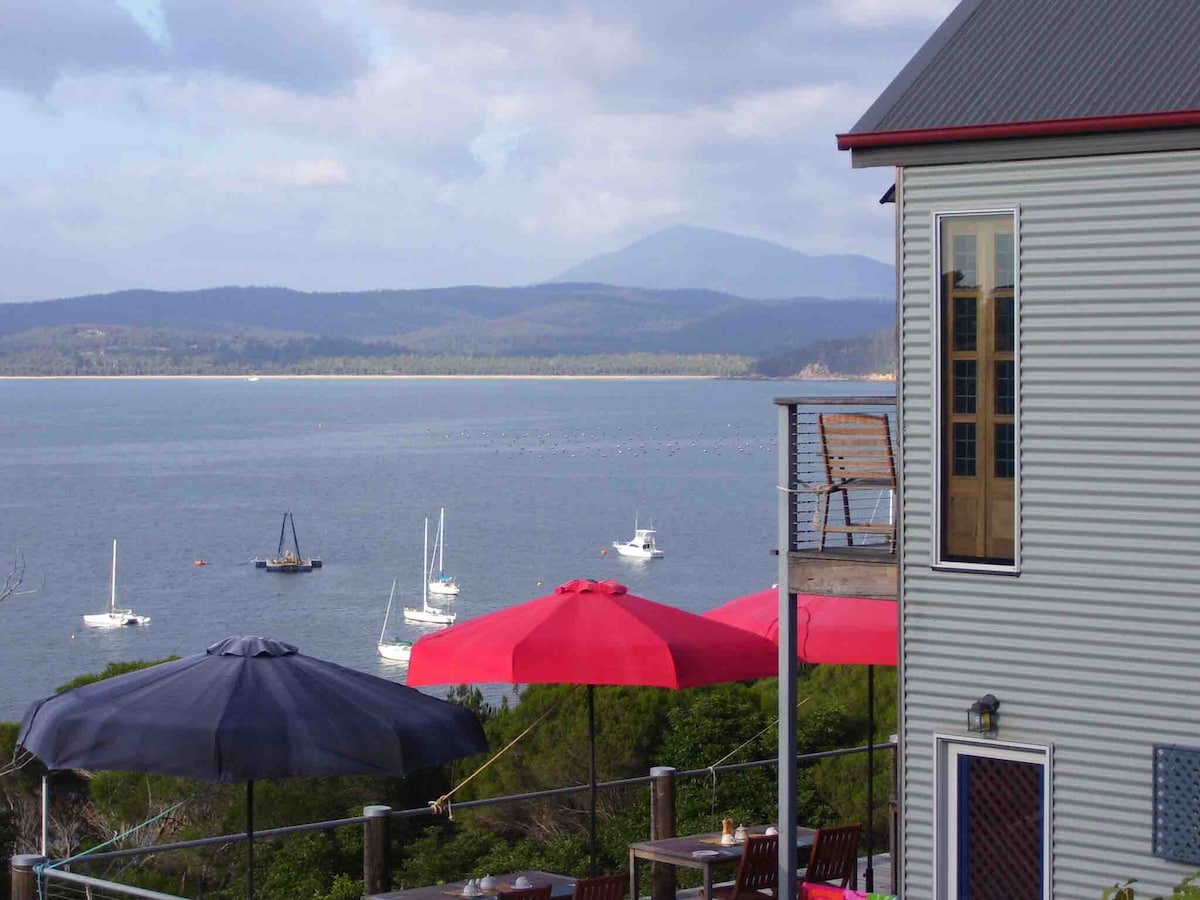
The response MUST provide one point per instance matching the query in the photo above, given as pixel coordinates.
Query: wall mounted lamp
(982, 714)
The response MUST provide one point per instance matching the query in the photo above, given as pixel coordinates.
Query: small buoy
(539, 584)
(72, 637)
(604, 553)
(200, 562)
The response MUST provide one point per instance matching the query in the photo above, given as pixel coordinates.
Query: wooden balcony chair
(602, 887)
(856, 452)
(758, 872)
(533, 893)
(834, 856)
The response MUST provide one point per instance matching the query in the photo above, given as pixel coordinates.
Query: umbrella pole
(250, 839)
(869, 874)
(591, 706)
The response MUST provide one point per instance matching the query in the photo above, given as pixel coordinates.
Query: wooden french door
(978, 384)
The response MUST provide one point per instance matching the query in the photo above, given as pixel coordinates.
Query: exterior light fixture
(982, 714)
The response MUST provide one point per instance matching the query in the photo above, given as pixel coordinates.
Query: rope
(442, 806)
(712, 769)
(118, 837)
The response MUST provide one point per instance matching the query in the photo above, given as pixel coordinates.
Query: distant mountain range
(790, 301)
(550, 319)
(687, 257)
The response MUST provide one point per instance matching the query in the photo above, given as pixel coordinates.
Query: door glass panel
(966, 271)
(1005, 325)
(964, 386)
(1006, 269)
(1000, 831)
(1006, 452)
(965, 327)
(964, 448)
(1006, 387)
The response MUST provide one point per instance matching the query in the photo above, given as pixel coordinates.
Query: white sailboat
(442, 583)
(427, 615)
(114, 618)
(397, 651)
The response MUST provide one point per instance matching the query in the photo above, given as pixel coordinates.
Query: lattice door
(1002, 813)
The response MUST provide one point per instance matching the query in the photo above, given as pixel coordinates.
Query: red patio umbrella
(593, 633)
(845, 630)
(829, 629)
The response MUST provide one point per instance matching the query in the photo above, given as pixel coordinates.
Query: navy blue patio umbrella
(249, 708)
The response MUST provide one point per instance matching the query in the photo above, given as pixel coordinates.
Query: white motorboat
(114, 618)
(427, 615)
(397, 651)
(641, 547)
(442, 583)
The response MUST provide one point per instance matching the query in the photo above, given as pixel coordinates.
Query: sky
(370, 144)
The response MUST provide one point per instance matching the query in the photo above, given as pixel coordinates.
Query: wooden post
(662, 825)
(377, 850)
(24, 879)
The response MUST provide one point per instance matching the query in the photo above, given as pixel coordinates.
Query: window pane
(965, 326)
(964, 386)
(1005, 325)
(1006, 388)
(1006, 269)
(1006, 452)
(965, 267)
(964, 448)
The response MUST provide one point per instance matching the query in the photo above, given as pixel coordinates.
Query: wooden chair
(856, 450)
(758, 872)
(533, 893)
(603, 887)
(834, 856)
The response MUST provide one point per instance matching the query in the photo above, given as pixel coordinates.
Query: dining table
(705, 852)
(561, 886)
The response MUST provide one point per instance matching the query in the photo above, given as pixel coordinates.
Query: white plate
(705, 854)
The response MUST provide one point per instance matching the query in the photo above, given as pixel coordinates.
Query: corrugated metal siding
(1093, 648)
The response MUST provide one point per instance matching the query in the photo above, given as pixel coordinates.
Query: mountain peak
(689, 256)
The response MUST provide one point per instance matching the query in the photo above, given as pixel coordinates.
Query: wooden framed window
(978, 383)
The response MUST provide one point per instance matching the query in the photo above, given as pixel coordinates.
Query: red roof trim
(1044, 128)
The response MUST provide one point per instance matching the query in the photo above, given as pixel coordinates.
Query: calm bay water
(537, 478)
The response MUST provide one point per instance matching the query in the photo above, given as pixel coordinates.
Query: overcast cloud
(366, 144)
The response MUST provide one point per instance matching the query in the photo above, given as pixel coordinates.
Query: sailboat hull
(118, 619)
(443, 588)
(429, 616)
(397, 652)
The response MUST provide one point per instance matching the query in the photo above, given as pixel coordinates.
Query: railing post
(377, 850)
(662, 825)
(24, 879)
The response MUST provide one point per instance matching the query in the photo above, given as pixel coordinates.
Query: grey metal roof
(1010, 61)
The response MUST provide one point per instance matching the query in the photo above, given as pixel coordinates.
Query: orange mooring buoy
(200, 562)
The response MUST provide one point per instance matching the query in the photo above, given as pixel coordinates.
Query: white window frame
(939, 435)
(947, 750)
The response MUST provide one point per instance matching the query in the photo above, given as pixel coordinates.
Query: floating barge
(288, 560)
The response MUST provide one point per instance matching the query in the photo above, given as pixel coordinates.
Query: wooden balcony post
(377, 850)
(662, 825)
(24, 879)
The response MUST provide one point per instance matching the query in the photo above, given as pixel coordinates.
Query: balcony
(838, 501)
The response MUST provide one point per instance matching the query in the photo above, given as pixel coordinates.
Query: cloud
(39, 41)
(373, 143)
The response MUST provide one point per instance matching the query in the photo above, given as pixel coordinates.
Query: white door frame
(948, 749)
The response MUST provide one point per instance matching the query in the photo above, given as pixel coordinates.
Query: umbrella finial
(251, 646)
(590, 586)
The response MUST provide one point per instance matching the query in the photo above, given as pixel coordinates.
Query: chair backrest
(533, 893)
(834, 855)
(857, 448)
(603, 887)
(759, 868)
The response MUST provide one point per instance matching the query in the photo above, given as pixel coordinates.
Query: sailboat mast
(112, 594)
(389, 611)
(282, 530)
(295, 540)
(425, 570)
(441, 542)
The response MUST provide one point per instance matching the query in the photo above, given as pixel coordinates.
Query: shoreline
(851, 378)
